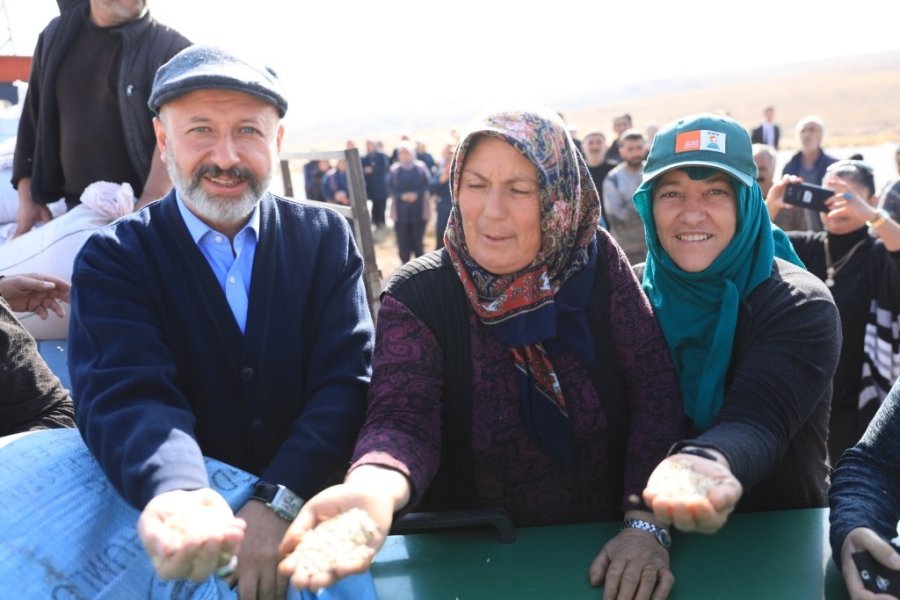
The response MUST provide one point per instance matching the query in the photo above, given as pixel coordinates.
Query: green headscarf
(698, 311)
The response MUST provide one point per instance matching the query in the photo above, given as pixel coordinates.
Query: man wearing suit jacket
(767, 132)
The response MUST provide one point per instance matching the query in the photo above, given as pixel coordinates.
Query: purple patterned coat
(403, 426)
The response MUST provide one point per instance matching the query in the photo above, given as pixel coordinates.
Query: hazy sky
(359, 57)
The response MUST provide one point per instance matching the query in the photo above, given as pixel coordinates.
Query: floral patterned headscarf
(540, 309)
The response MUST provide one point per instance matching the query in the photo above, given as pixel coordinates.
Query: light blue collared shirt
(231, 264)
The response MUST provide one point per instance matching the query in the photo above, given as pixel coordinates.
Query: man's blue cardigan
(162, 375)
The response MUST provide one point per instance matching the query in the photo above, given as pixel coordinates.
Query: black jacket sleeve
(865, 489)
(773, 424)
(27, 133)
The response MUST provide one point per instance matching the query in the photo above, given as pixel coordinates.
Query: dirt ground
(386, 250)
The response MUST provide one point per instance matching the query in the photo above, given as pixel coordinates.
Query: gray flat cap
(210, 67)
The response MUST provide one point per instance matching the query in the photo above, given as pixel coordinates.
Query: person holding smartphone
(863, 272)
(865, 506)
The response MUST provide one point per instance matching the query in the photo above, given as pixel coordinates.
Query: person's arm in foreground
(30, 212)
(694, 510)
(189, 534)
(321, 439)
(863, 539)
(380, 492)
(633, 564)
(775, 389)
(31, 396)
(133, 417)
(35, 292)
(398, 450)
(864, 498)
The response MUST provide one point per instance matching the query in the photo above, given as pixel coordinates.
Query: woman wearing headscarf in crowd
(755, 338)
(520, 367)
(335, 186)
(865, 498)
(408, 183)
(863, 273)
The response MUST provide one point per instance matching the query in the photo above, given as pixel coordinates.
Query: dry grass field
(856, 96)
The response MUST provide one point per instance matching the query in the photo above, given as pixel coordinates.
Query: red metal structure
(14, 67)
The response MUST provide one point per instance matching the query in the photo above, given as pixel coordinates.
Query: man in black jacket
(768, 131)
(85, 115)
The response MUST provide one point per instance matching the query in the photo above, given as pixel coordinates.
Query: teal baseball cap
(702, 140)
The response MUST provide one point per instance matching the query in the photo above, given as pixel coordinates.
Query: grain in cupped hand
(681, 479)
(341, 539)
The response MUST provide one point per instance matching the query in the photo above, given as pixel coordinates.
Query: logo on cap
(700, 139)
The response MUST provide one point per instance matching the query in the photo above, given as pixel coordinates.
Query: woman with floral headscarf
(518, 367)
(755, 337)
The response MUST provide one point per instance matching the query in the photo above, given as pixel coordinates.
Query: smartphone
(807, 195)
(875, 576)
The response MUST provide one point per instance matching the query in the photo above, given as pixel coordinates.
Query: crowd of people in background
(783, 332)
(615, 167)
(419, 186)
(418, 183)
(850, 251)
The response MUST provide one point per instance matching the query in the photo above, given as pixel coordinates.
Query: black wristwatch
(661, 534)
(283, 502)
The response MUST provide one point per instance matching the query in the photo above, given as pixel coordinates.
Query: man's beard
(215, 209)
(635, 163)
(126, 12)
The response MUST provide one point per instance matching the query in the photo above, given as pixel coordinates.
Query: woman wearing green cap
(755, 338)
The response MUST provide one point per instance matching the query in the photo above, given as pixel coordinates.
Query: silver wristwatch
(661, 534)
(283, 502)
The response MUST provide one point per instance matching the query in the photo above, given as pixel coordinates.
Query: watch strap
(660, 533)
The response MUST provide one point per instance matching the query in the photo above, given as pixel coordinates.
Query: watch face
(663, 536)
(280, 499)
(286, 504)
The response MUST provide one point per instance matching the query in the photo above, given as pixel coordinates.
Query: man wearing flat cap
(222, 321)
